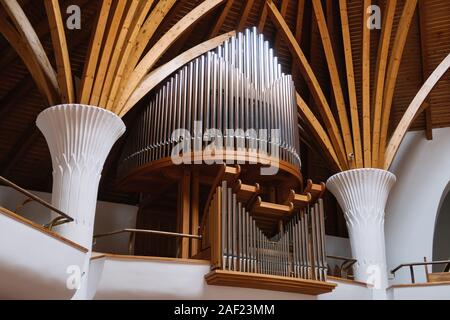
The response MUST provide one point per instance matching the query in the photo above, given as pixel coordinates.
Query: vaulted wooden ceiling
(24, 157)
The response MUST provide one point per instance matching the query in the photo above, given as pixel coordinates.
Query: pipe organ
(235, 95)
(235, 103)
(238, 244)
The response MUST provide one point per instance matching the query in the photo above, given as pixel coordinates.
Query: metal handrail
(161, 233)
(133, 232)
(415, 264)
(63, 217)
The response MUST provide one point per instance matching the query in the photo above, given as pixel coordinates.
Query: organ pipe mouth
(235, 96)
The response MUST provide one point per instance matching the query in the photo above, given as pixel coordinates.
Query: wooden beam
(161, 73)
(298, 33)
(319, 133)
(149, 60)
(380, 78)
(195, 209)
(131, 57)
(15, 40)
(93, 53)
(7, 104)
(299, 20)
(244, 17)
(185, 198)
(413, 110)
(263, 18)
(425, 67)
(64, 70)
(35, 48)
(313, 83)
(366, 110)
(335, 80)
(127, 28)
(283, 11)
(393, 69)
(351, 84)
(223, 15)
(109, 46)
(138, 36)
(42, 30)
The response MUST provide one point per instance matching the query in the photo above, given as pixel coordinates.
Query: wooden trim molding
(268, 282)
(351, 282)
(99, 256)
(41, 229)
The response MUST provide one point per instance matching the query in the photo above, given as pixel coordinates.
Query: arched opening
(441, 240)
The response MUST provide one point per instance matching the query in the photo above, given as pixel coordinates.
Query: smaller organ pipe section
(237, 244)
(226, 95)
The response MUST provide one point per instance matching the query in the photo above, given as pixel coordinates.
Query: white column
(80, 138)
(362, 195)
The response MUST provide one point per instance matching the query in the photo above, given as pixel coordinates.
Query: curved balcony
(232, 104)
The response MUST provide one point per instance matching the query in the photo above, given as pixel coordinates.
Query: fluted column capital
(79, 138)
(362, 191)
(80, 133)
(362, 195)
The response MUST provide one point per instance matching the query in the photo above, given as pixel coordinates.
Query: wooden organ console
(237, 113)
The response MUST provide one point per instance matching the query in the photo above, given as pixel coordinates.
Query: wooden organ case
(198, 154)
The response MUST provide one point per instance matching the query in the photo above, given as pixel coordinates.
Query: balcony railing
(63, 218)
(133, 233)
(425, 264)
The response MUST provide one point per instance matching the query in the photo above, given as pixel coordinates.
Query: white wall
(133, 279)
(422, 168)
(109, 217)
(348, 291)
(441, 241)
(431, 292)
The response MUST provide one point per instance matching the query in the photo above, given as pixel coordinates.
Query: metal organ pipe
(239, 85)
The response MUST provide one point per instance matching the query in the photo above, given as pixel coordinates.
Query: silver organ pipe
(239, 86)
(297, 251)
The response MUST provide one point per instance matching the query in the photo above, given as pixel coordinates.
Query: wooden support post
(184, 212)
(195, 199)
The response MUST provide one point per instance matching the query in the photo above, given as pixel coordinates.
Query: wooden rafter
(223, 15)
(64, 70)
(366, 110)
(299, 21)
(138, 37)
(298, 33)
(263, 18)
(335, 80)
(125, 33)
(244, 17)
(42, 30)
(35, 49)
(158, 75)
(93, 53)
(351, 84)
(283, 12)
(313, 83)
(425, 67)
(145, 34)
(149, 60)
(393, 69)
(14, 38)
(380, 77)
(106, 52)
(413, 110)
(319, 132)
